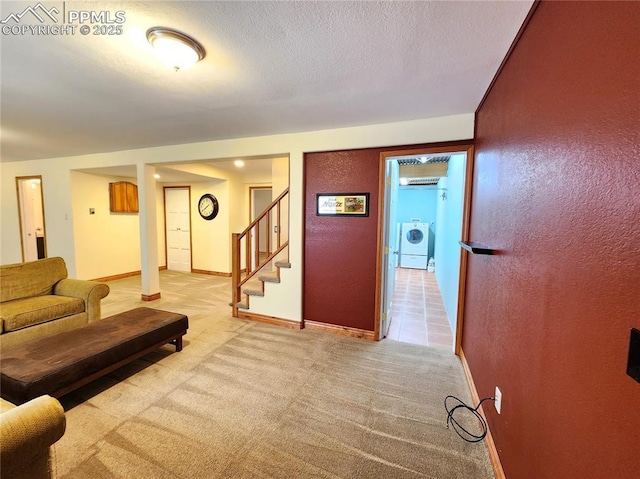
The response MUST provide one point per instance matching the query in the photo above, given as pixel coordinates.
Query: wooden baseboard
(491, 446)
(117, 276)
(123, 275)
(285, 323)
(211, 273)
(341, 330)
(150, 297)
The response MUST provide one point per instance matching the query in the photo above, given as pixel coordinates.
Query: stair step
(253, 292)
(242, 305)
(283, 264)
(269, 278)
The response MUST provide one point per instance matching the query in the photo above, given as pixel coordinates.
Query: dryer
(414, 245)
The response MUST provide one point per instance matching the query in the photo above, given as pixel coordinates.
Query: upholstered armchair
(27, 433)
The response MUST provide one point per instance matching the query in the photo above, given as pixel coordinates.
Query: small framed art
(342, 204)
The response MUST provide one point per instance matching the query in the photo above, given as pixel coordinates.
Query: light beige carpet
(247, 400)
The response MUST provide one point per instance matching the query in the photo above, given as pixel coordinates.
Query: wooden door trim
(466, 147)
(44, 224)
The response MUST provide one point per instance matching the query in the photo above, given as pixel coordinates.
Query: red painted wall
(340, 252)
(557, 191)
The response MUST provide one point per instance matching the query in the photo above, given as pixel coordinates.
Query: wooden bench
(58, 364)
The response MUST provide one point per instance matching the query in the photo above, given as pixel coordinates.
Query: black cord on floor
(460, 430)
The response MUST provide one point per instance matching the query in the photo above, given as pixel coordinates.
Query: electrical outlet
(498, 399)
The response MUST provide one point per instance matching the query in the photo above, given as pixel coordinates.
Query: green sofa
(37, 300)
(27, 434)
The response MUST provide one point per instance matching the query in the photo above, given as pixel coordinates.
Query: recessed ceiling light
(156, 176)
(174, 48)
(239, 163)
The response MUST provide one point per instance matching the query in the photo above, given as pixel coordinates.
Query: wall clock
(208, 206)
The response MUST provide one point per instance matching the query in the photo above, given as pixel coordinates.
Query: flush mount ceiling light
(174, 48)
(239, 163)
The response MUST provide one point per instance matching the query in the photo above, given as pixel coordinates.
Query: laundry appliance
(414, 245)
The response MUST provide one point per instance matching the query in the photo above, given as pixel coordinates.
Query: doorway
(33, 237)
(427, 297)
(178, 227)
(260, 198)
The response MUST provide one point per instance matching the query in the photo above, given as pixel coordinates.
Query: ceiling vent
(423, 181)
(423, 160)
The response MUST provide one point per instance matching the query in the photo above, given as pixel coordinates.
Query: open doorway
(260, 198)
(420, 298)
(33, 237)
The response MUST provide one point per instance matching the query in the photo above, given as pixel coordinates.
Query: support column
(148, 232)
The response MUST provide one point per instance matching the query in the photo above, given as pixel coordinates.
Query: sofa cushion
(21, 313)
(34, 278)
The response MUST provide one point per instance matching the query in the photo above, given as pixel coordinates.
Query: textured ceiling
(271, 67)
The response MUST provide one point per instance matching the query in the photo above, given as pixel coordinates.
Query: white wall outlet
(498, 399)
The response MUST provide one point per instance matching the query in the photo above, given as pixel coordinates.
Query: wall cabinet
(123, 197)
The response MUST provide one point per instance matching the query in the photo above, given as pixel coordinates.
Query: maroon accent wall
(557, 191)
(340, 252)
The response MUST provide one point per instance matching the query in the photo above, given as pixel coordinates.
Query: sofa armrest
(26, 434)
(90, 291)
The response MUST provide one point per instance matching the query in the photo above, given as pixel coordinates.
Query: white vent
(423, 181)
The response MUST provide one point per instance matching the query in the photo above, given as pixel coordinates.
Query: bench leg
(178, 343)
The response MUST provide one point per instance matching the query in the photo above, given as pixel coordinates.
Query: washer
(414, 245)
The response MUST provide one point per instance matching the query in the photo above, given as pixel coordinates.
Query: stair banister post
(235, 272)
(248, 256)
(278, 222)
(268, 229)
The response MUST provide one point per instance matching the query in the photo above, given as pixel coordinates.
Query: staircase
(257, 287)
(252, 268)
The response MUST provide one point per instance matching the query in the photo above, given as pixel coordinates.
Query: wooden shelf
(476, 248)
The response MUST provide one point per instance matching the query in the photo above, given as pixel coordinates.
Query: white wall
(210, 239)
(106, 243)
(280, 182)
(56, 178)
(449, 233)
(160, 220)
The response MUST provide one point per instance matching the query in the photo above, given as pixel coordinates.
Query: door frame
(466, 147)
(164, 211)
(385, 316)
(20, 207)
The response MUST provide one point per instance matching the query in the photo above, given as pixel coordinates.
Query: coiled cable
(461, 430)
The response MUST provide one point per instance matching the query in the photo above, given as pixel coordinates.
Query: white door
(390, 249)
(176, 204)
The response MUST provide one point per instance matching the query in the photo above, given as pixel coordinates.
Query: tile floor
(418, 314)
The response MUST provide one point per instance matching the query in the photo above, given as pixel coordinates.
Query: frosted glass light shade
(174, 48)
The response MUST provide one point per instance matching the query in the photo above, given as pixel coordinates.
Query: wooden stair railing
(253, 261)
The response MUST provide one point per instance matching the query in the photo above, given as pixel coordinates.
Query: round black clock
(208, 206)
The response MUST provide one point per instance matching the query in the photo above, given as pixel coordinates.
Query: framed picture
(342, 204)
